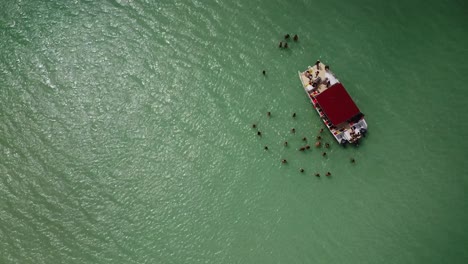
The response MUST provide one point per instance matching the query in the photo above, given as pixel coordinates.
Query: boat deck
(323, 75)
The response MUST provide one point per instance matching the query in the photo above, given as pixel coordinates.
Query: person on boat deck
(327, 68)
(317, 65)
(326, 82)
(317, 81)
(314, 87)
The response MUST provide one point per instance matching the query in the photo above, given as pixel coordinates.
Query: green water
(125, 132)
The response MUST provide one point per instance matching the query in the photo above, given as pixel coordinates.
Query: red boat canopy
(337, 105)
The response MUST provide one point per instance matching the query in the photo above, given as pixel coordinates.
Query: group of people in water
(287, 37)
(315, 81)
(318, 144)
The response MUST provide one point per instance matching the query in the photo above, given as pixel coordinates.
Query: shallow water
(126, 133)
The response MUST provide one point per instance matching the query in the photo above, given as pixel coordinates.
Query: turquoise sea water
(125, 132)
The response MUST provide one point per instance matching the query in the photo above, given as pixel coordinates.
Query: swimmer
(266, 147)
(301, 170)
(317, 174)
(286, 36)
(285, 143)
(294, 114)
(328, 174)
(281, 44)
(353, 160)
(319, 137)
(302, 148)
(268, 114)
(295, 37)
(327, 145)
(285, 45)
(259, 133)
(317, 144)
(304, 139)
(254, 126)
(293, 130)
(264, 72)
(284, 161)
(324, 154)
(307, 147)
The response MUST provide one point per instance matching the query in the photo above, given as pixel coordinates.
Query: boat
(334, 105)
